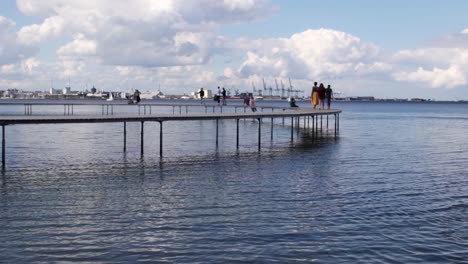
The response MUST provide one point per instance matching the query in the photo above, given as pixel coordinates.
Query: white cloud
(427, 57)
(6, 23)
(80, 46)
(437, 67)
(310, 55)
(29, 65)
(11, 51)
(142, 32)
(52, 27)
(465, 31)
(445, 78)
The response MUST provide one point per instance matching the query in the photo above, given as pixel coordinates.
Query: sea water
(392, 187)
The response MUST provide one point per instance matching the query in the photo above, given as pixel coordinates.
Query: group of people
(221, 95)
(320, 95)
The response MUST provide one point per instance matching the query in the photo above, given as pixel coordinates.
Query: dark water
(392, 188)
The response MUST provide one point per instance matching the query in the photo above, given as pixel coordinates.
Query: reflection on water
(388, 189)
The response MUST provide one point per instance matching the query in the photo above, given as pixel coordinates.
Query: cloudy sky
(387, 49)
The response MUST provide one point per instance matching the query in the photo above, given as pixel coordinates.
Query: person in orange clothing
(314, 99)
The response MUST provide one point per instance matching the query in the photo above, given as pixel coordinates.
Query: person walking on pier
(217, 96)
(314, 96)
(136, 96)
(224, 96)
(321, 95)
(202, 94)
(328, 95)
(246, 99)
(252, 104)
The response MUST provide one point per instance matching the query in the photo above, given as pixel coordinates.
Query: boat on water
(258, 97)
(185, 97)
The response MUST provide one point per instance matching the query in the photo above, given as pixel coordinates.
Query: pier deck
(293, 113)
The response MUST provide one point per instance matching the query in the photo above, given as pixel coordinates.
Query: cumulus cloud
(10, 50)
(446, 78)
(443, 64)
(16, 60)
(52, 27)
(311, 54)
(80, 46)
(142, 32)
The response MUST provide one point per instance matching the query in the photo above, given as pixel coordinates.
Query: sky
(386, 49)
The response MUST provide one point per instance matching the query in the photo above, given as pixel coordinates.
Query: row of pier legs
(315, 130)
(306, 120)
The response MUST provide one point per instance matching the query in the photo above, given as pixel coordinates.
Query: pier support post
(316, 125)
(271, 129)
(237, 133)
(335, 124)
(321, 123)
(292, 128)
(125, 137)
(217, 132)
(259, 133)
(313, 125)
(160, 139)
(338, 123)
(142, 136)
(3, 147)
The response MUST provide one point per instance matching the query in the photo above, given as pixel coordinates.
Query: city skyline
(393, 49)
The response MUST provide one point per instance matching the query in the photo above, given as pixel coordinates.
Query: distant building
(66, 90)
(55, 91)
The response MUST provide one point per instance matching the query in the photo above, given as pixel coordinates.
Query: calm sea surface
(391, 188)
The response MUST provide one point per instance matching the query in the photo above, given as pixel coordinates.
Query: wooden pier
(295, 115)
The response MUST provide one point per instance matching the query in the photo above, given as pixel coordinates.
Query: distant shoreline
(344, 100)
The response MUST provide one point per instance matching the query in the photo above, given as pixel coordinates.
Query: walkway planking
(13, 120)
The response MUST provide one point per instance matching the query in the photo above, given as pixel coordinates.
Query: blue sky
(392, 24)
(381, 48)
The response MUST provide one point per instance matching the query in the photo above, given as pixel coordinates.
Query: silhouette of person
(314, 96)
(136, 96)
(321, 95)
(202, 94)
(292, 103)
(252, 104)
(223, 92)
(328, 95)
